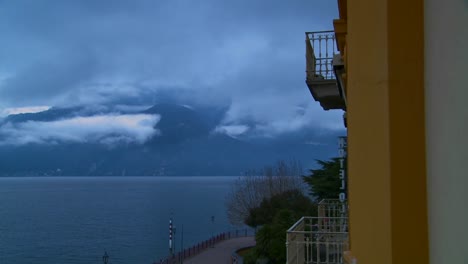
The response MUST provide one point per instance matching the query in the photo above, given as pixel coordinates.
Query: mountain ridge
(187, 144)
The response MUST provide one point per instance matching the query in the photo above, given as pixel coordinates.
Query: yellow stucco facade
(384, 55)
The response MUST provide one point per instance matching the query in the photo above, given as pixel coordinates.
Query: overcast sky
(247, 54)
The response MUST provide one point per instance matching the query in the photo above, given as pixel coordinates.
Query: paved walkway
(221, 253)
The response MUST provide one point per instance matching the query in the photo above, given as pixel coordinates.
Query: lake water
(72, 220)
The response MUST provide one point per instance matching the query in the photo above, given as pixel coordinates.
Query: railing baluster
(327, 56)
(324, 46)
(320, 53)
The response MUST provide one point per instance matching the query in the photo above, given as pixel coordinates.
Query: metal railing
(317, 240)
(320, 49)
(332, 208)
(321, 239)
(204, 245)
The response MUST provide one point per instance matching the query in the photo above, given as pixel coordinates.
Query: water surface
(46, 220)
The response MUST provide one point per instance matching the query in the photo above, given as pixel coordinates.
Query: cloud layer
(245, 54)
(104, 129)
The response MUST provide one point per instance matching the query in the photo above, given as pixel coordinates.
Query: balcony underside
(327, 93)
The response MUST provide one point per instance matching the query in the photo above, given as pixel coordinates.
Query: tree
(257, 185)
(275, 216)
(324, 183)
(279, 211)
(293, 200)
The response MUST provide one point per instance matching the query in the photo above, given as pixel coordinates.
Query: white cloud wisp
(24, 110)
(103, 129)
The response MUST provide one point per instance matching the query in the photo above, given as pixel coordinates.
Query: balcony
(319, 240)
(323, 64)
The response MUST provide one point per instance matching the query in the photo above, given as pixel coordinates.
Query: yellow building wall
(386, 136)
(368, 139)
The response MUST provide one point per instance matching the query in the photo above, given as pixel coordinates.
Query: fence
(206, 244)
(317, 240)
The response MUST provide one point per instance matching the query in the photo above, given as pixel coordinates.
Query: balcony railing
(332, 208)
(317, 240)
(320, 49)
(322, 239)
(322, 62)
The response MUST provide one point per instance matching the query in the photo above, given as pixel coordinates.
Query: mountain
(186, 144)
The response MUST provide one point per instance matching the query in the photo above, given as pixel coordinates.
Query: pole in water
(212, 230)
(170, 236)
(105, 258)
(182, 245)
(174, 236)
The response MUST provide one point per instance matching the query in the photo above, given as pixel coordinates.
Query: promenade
(221, 253)
(218, 249)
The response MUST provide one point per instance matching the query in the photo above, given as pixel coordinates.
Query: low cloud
(104, 129)
(131, 108)
(315, 143)
(23, 110)
(232, 131)
(267, 121)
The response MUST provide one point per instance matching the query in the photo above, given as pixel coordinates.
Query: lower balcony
(317, 240)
